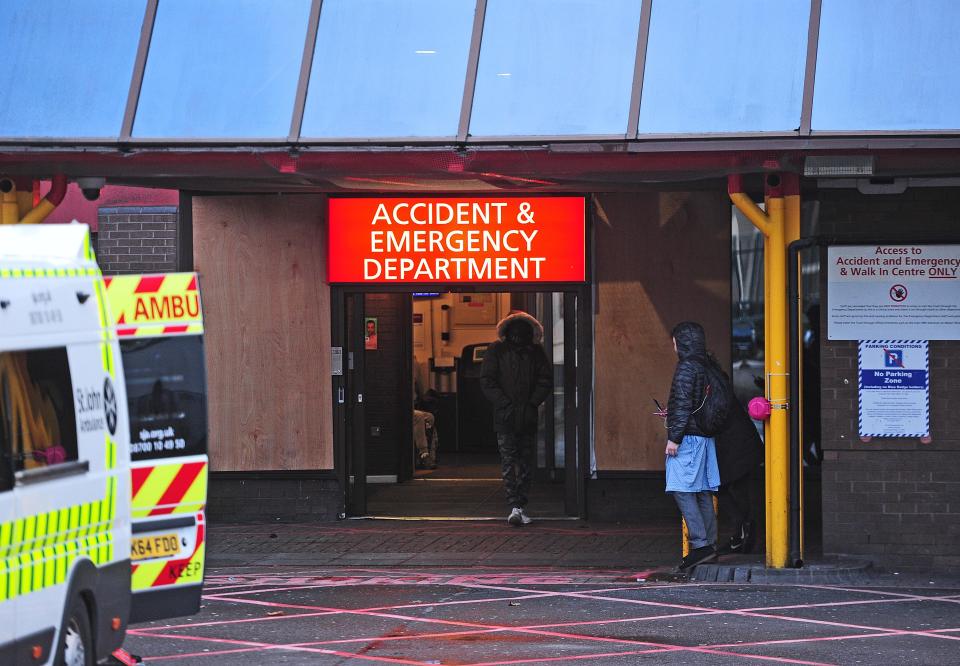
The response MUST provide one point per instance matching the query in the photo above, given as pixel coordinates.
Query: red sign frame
(456, 240)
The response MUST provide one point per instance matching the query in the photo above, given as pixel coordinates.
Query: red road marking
(595, 595)
(270, 646)
(697, 610)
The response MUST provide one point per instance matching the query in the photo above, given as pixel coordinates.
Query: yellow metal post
(9, 205)
(17, 207)
(772, 224)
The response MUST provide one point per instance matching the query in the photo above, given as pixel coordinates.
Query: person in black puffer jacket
(516, 377)
(739, 454)
(691, 462)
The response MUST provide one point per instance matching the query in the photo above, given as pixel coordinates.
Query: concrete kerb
(829, 571)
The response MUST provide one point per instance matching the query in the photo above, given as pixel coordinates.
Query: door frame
(349, 423)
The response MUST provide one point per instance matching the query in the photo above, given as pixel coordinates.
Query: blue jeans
(697, 510)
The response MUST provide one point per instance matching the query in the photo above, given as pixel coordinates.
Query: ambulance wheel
(76, 639)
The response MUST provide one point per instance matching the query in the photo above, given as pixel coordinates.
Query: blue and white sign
(894, 388)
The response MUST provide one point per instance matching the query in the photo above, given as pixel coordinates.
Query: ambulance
(65, 571)
(160, 327)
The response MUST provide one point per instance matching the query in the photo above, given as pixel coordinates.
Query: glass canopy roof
(368, 71)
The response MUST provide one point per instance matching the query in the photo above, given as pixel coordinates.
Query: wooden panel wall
(262, 267)
(661, 258)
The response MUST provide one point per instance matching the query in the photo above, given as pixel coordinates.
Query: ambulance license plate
(156, 545)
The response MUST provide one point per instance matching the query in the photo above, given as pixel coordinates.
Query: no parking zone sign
(894, 388)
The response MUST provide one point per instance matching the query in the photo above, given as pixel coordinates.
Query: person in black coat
(739, 454)
(516, 377)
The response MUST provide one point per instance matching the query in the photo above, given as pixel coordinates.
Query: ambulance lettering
(151, 307)
(90, 409)
(184, 570)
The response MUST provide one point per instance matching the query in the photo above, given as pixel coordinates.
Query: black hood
(691, 340)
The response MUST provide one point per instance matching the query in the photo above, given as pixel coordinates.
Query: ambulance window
(37, 416)
(166, 391)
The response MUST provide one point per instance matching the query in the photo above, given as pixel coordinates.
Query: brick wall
(895, 501)
(137, 239)
(273, 497)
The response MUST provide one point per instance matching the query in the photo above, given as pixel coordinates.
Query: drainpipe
(791, 198)
(772, 225)
(796, 415)
(46, 206)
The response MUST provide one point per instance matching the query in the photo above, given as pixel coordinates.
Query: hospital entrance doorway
(415, 433)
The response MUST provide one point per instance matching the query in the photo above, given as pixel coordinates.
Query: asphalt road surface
(544, 615)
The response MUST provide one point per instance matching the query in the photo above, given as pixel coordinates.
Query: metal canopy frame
(631, 135)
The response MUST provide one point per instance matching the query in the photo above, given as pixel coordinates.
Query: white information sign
(894, 388)
(893, 291)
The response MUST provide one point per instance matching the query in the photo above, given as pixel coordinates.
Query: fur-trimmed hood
(505, 322)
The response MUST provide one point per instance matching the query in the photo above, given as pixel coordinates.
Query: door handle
(359, 398)
(341, 397)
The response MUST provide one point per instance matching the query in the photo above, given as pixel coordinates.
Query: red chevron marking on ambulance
(178, 488)
(149, 285)
(139, 477)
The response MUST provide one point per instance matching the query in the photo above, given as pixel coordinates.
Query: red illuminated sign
(457, 240)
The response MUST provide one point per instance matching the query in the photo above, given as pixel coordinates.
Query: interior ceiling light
(425, 52)
(838, 166)
(503, 74)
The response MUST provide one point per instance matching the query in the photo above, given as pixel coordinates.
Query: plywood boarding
(661, 258)
(267, 313)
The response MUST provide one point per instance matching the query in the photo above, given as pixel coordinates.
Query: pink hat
(759, 409)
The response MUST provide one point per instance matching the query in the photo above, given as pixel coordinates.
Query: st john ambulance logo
(110, 406)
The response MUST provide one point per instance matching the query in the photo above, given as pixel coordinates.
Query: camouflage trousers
(516, 465)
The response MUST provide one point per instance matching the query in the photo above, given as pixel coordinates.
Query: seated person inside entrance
(424, 424)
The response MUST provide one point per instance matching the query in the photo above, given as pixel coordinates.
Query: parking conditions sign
(894, 387)
(906, 292)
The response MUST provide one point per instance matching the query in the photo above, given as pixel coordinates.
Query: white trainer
(524, 518)
(515, 518)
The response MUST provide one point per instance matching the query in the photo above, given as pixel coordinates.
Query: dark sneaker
(698, 556)
(749, 536)
(738, 540)
(515, 518)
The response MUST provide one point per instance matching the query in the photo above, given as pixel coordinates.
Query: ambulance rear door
(160, 327)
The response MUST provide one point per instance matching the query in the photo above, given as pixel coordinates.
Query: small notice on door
(893, 291)
(894, 388)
